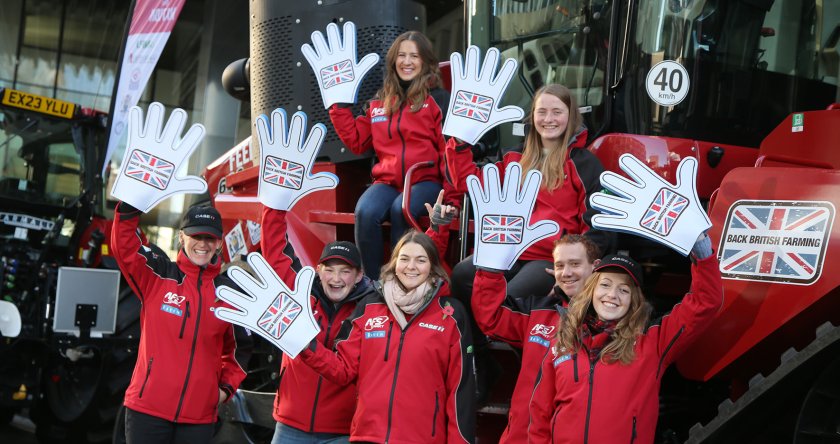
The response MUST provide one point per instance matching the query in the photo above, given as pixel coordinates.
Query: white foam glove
(474, 103)
(334, 64)
(286, 160)
(650, 207)
(502, 214)
(153, 154)
(268, 307)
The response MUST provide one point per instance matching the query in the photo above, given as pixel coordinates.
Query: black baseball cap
(625, 263)
(344, 251)
(202, 220)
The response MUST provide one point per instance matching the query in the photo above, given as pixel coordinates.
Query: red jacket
(570, 405)
(306, 400)
(400, 140)
(568, 205)
(528, 323)
(186, 354)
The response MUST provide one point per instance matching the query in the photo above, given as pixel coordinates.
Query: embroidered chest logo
(172, 304)
(431, 326)
(378, 324)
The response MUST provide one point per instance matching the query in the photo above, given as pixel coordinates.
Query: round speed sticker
(667, 83)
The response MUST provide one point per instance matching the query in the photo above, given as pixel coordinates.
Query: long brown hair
(391, 93)
(551, 166)
(389, 270)
(628, 328)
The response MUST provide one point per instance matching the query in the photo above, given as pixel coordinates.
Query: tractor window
(750, 63)
(554, 42)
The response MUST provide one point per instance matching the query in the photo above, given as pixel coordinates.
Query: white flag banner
(151, 23)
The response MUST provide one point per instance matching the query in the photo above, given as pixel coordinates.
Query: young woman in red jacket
(600, 380)
(403, 125)
(408, 349)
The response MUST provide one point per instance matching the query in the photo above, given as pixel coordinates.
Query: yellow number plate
(32, 102)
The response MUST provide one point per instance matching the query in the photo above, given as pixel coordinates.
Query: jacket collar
(192, 270)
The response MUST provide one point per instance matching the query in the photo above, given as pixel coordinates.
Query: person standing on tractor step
(601, 379)
(185, 364)
(309, 408)
(403, 125)
(528, 322)
(408, 349)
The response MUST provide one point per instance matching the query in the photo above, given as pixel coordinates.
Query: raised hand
(268, 307)
(441, 214)
(502, 214)
(474, 103)
(286, 160)
(334, 64)
(650, 207)
(152, 157)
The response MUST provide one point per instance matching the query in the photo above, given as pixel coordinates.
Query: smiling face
(551, 117)
(408, 64)
(612, 296)
(413, 266)
(571, 267)
(338, 279)
(200, 248)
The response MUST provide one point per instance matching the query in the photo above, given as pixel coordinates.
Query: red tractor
(747, 87)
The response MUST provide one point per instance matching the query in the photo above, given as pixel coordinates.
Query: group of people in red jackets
(394, 359)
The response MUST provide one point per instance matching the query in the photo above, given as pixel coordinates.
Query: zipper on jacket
(667, 349)
(574, 359)
(184, 321)
(633, 435)
(402, 139)
(589, 401)
(146, 379)
(394, 385)
(388, 340)
(434, 417)
(192, 351)
(315, 405)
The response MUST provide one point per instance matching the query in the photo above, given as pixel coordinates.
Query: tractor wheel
(819, 417)
(82, 398)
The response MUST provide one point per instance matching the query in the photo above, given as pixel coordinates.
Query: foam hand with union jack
(287, 155)
(650, 207)
(269, 308)
(153, 155)
(476, 94)
(502, 214)
(334, 64)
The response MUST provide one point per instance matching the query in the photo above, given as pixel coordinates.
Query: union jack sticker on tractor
(498, 229)
(283, 173)
(781, 241)
(280, 315)
(664, 211)
(473, 106)
(149, 169)
(341, 72)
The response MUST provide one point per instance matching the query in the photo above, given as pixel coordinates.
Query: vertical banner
(151, 23)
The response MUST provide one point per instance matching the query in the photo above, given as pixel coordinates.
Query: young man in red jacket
(529, 322)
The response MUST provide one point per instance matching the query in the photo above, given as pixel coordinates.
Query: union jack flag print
(280, 315)
(473, 106)
(664, 211)
(149, 169)
(283, 173)
(341, 72)
(497, 229)
(781, 241)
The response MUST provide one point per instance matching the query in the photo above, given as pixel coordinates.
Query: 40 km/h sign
(667, 83)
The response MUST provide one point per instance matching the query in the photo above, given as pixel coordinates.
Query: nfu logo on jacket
(540, 334)
(172, 303)
(377, 324)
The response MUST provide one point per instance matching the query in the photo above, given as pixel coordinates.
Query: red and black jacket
(567, 205)
(186, 354)
(399, 140)
(306, 400)
(579, 398)
(528, 323)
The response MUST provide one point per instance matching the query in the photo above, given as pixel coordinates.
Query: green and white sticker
(798, 123)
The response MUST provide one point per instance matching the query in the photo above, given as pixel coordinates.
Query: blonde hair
(622, 340)
(391, 93)
(389, 270)
(551, 165)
